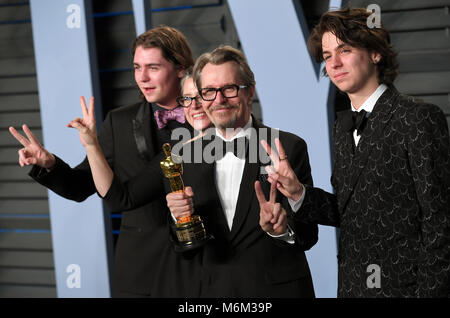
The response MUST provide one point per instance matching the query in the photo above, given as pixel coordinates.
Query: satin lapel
(247, 194)
(142, 125)
(202, 178)
(371, 135)
(217, 223)
(344, 142)
(343, 145)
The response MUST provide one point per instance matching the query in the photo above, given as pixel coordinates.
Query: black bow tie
(355, 120)
(238, 147)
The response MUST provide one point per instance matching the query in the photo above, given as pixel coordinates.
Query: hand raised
(281, 172)
(272, 217)
(32, 152)
(86, 125)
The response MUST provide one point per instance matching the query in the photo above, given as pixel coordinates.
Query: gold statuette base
(190, 234)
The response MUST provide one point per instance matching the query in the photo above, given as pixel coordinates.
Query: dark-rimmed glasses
(228, 91)
(186, 101)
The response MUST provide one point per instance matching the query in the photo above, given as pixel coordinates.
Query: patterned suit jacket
(392, 202)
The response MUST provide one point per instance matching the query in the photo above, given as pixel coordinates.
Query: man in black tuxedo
(391, 170)
(145, 263)
(243, 260)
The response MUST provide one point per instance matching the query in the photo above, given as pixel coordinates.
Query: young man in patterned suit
(391, 171)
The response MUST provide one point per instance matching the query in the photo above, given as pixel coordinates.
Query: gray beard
(228, 124)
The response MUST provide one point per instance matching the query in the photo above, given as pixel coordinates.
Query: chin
(344, 89)
(225, 125)
(200, 127)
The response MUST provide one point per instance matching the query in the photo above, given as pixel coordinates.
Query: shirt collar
(370, 102)
(156, 107)
(242, 132)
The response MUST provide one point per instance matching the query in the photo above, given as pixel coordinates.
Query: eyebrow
(212, 86)
(340, 46)
(150, 64)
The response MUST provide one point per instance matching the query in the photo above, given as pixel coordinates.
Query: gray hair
(220, 55)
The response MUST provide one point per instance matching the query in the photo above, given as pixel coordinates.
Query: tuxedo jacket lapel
(202, 178)
(218, 224)
(373, 132)
(142, 126)
(344, 139)
(245, 197)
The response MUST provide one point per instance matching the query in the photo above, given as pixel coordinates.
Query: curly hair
(350, 26)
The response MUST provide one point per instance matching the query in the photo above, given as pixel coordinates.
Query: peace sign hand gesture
(86, 125)
(272, 216)
(32, 152)
(281, 173)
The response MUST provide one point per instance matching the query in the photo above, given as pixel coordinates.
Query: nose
(219, 97)
(142, 76)
(335, 61)
(196, 103)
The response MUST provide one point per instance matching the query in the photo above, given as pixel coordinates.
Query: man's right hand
(272, 216)
(32, 152)
(180, 203)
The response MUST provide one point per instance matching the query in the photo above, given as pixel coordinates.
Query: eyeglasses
(186, 101)
(228, 91)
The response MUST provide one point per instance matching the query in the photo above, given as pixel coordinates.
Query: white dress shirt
(368, 106)
(229, 171)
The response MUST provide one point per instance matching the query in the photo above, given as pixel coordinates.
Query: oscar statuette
(189, 229)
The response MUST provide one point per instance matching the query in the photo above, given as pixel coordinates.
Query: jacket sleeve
(75, 183)
(307, 233)
(139, 190)
(429, 157)
(319, 206)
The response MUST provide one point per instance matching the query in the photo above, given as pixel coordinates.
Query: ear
(375, 57)
(251, 93)
(180, 71)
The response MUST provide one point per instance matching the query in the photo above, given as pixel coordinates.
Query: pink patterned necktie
(164, 116)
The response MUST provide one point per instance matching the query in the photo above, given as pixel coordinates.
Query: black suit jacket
(246, 261)
(145, 262)
(392, 201)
